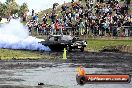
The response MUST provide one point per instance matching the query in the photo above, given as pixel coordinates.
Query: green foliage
(10, 7)
(6, 54)
(98, 44)
(23, 8)
(2, 9)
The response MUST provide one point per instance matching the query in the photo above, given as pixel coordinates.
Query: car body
(59, 42)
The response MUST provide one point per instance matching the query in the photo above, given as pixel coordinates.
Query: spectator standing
(57, 27)
(0, 18)
(32, 12)
(81, 27)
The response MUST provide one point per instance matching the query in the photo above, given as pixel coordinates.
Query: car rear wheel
(68, 48)
(82, 49)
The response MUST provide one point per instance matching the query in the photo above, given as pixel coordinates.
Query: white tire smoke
(14, 35)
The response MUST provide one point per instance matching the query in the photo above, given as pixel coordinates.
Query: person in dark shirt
(101, 1)
(32, 12)
(54, 6)
(115, 18)
(53, 17)
(0, 18)
(128, 1)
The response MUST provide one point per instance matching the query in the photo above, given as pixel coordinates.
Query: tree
(23, 11)
(8, 1)
(24, 8)
(12, 7)
(3, 9)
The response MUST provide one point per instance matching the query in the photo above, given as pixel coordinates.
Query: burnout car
(59, 42)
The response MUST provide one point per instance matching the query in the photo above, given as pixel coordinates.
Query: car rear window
(51, 39)
(66, 38)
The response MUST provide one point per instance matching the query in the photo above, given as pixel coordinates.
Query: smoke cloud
(14, 35)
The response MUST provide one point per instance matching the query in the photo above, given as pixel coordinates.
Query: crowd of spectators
(86, 17)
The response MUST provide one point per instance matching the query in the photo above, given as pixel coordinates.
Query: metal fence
(123, 31)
